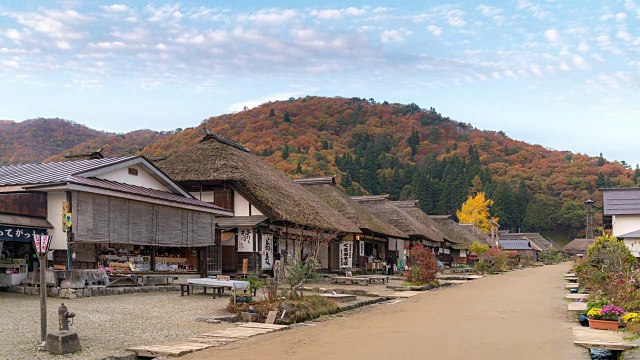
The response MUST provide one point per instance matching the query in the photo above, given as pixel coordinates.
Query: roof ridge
(213, 136)
(329, 180)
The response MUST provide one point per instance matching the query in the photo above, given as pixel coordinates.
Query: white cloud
(13, 34)
(552, 35)
(583, 46)
(435, 30)
(391, 36)
(535, 69)
(580, 62)
(115, 8)
(564, 67)
(270, 16)
(329, 14)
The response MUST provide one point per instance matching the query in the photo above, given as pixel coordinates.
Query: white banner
(393, 244)
(346, 254)
(361, 248)
(267, 251)
(245, 240)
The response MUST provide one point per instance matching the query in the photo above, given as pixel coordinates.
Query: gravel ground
(106, 325)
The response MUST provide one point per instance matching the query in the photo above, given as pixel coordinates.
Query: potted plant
(632, 321)
(605, 318)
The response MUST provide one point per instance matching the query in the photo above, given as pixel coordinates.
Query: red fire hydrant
(63, 317)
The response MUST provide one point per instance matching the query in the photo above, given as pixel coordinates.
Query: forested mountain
(410, 152)
(49, 140)
(405, 151)
(112, 144)
(34, 140)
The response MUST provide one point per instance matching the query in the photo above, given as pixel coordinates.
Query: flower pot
(603, 324)
(634, 326)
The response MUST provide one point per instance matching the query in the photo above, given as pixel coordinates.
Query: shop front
(17, 254)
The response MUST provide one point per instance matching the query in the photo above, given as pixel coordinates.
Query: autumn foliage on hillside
(411, 152)
(402, 150)
(34, 140)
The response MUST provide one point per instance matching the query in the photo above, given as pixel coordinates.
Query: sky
(563, 74)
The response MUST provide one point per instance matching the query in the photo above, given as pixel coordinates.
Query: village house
(461, 236)
(118, 213)
(578, 247)
(378, 239)
(269, 209)
(522, 247)
(536, 240)
(621, 209)
(448, 249)
(417, 232)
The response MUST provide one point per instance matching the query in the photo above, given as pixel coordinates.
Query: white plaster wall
(463, 253)
(633, 245)
(240, 205)
(206, 196)
(255, 211)
(143, 179)
(54, 216)
(624, 224)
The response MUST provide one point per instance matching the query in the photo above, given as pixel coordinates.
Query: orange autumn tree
(476, 211)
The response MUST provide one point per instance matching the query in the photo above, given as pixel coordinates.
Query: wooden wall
(28, 204)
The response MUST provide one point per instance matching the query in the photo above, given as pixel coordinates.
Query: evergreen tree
(272, 113)
(601, 161)
(285, 152)
(414, 142)
(325, 145)
(299, 168)
(286, 118)
(600, 182)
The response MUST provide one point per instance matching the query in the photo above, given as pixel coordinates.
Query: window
(133, 171)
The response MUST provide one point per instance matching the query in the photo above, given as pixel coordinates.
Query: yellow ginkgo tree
(476, 211)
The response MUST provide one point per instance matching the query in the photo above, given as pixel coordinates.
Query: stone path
(515, 315)
(205, 341)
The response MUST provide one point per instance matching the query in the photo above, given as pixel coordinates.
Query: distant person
(277, 267)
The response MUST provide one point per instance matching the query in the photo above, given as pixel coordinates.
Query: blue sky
(564, 74)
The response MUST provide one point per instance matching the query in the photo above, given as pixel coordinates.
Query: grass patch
(301, 309)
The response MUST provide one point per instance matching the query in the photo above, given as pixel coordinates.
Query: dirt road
(517, 315)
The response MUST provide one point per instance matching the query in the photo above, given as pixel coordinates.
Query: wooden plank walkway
(572, 286)
(404, 294)
(577, 306)
(576, 296)
(208, 340)
(600, 339)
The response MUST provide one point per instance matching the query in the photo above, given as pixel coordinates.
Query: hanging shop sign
(267, 251)
(346, 254)
(361, 248)
(14, 233)
(245, 240)
(41, 243)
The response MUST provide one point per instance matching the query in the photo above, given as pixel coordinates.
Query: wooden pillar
(43, 297)
(153, 258)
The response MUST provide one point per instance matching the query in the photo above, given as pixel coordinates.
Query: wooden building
(268, 207)
(536, 239)
(418, 232)
(522, 247)
(114, 211)
(578, 247)
(378, 239)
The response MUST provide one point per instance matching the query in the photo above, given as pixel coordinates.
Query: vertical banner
(245, 240)
(393, 244)
(346, 254)
(267, 251)
(361, 248)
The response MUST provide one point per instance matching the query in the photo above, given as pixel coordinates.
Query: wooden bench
(188, 289)
(377, 278)
(350, 280)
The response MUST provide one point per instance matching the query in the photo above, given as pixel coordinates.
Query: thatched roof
(411, 208)
(385, 210)
(326, 190)
(578, 246)
(462, 235)
(219, 160)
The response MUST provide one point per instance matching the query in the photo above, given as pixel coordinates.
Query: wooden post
(153, 259)
(43, 297)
